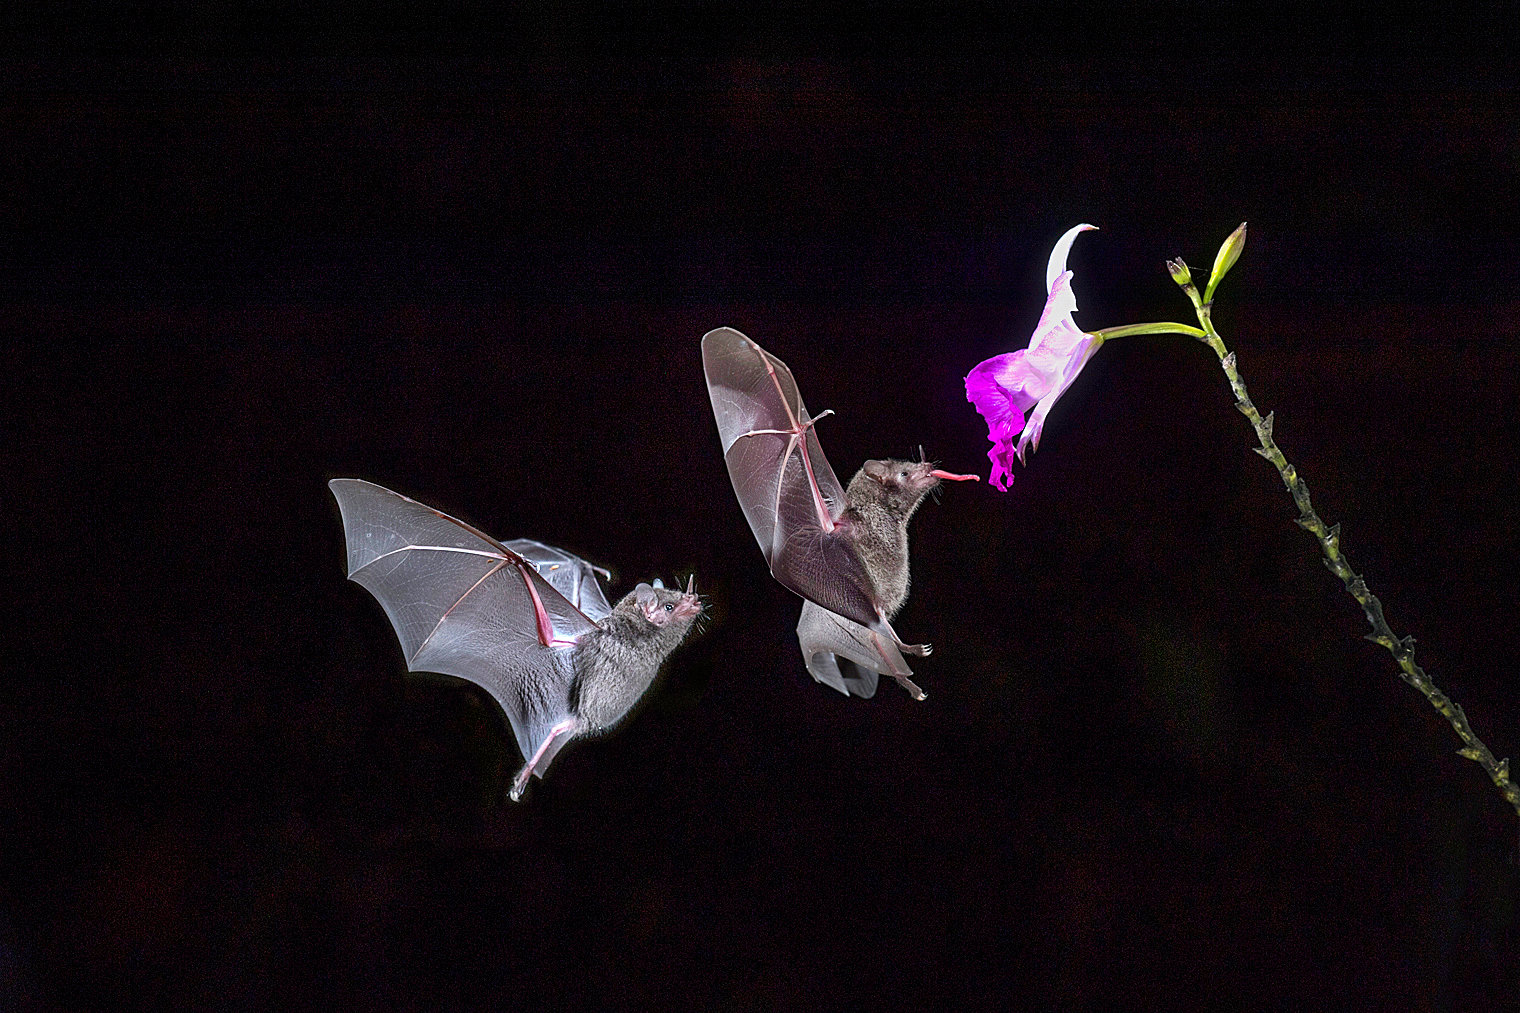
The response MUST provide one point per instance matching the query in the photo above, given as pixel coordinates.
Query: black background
(472, 259)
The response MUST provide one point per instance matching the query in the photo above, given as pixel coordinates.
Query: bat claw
(920, 650)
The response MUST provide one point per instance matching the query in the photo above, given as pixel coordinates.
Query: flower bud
(1179, 272)
(1225, 259)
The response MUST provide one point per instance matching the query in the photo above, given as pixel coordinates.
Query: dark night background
(1157, 767)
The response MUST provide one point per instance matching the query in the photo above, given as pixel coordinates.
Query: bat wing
(570, 575)
(466, 605)
(847, 656)
(789, 494)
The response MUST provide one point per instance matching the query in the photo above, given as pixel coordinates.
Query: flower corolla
(1015, 391)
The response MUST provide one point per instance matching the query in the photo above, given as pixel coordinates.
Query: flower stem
(1129, 330)
(1329, 537)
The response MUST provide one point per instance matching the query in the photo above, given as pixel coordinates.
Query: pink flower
(1006, 387)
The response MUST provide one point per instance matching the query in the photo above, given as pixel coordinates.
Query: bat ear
(659, 584)
(648, 603)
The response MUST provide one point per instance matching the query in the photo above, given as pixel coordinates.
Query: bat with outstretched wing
(525, 621)
(844, 549)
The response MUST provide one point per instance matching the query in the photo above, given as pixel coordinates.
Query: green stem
(1329, 537)
(1128, 330)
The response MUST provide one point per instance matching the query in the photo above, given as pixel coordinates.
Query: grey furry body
(616, 664)
(877, 515)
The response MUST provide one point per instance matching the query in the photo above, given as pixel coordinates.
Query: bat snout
(922, 476)
(689, 605)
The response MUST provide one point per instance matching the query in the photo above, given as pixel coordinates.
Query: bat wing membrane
(463, 604)
(569, 574)
(785, 486)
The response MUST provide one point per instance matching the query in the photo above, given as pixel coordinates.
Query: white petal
(1057, 265)
(1030, 437)
(1056, 320)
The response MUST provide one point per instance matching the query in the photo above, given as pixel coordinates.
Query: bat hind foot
(520, 784)
(918, 650)
(912, 688)
(557, 737)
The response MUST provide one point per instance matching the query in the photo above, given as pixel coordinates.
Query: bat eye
(669, 607)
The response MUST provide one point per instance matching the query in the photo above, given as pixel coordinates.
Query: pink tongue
(947, 476)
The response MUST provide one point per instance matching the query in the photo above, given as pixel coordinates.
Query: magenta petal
(1003, 408)
(1001, 456)
(999, 387)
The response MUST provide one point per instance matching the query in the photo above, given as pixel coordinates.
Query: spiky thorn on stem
(1329, 536)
